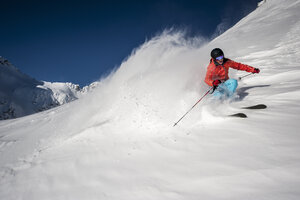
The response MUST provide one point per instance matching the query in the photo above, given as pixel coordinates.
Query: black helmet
(216, 53)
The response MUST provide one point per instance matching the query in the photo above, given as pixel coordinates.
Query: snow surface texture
(118, 142)
(22, 95)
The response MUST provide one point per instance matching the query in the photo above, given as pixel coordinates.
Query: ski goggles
(219, 58)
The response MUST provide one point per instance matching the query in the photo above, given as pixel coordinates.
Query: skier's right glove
(216, 83)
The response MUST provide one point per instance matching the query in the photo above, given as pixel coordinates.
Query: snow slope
(118, 142)
(22, 95)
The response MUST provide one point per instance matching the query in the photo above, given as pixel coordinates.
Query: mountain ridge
(22, 95)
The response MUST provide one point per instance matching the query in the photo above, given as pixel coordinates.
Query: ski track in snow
(118, 141)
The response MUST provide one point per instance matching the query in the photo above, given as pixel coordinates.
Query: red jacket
(220, 72)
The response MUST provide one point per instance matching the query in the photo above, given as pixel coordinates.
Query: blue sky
(81, 40)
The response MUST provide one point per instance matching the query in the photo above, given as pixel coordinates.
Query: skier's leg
(220, 91)
(231, 85)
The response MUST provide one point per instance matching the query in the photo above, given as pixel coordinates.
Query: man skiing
(217, 73)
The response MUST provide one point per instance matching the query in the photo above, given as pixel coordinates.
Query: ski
(258, 106)
(240, 115)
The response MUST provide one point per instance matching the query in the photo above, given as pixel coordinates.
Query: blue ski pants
(226, 89)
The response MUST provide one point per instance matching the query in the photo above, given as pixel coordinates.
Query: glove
(216, 83)
(256, 71)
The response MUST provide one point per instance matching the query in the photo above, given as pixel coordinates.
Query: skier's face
(220, 60)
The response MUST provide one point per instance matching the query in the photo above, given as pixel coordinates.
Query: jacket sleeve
(208, 78)
(240, 66)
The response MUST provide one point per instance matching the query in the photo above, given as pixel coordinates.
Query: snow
(118, 141)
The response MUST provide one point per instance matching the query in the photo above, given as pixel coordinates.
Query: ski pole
(194, 105)
(240, 78)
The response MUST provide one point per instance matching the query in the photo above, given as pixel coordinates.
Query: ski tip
(258, 106)
(240, 115)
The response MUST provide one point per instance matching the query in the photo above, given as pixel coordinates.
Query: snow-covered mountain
(118, 142)
(22, 95)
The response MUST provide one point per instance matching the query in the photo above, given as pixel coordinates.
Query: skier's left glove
(256, 71)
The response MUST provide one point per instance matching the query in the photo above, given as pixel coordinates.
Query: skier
(217, 74)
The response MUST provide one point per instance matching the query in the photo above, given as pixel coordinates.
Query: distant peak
(4, 61)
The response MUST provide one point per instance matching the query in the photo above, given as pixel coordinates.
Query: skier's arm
(240, 66)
